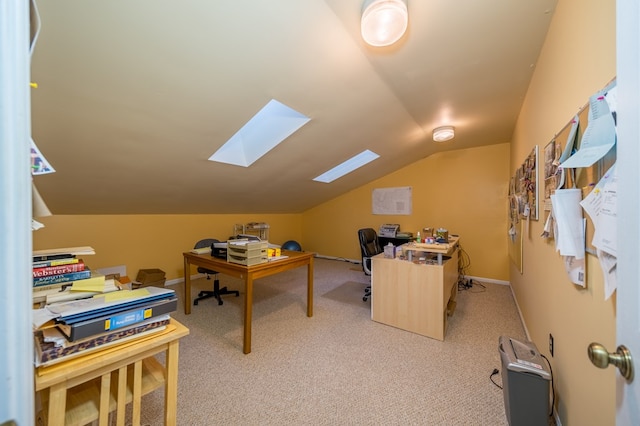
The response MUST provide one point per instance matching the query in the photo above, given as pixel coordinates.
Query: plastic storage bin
(525, 383)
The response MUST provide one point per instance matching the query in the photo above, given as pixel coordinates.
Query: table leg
(248, 305)
(57, 404)
(137, 392)
(187, 287)
(105, 398)
(310, 288)
(122, 395)
(171, 385)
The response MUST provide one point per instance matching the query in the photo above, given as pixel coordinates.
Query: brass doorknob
(621, 358)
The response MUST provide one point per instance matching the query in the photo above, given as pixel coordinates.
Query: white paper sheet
(569, 222)
(602, 207)
(609, 265)
(575, 269)
(38, 206)
(598, 138)
(39, 164)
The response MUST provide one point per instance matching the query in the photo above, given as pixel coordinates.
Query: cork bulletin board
(584, 178)
(523, 203)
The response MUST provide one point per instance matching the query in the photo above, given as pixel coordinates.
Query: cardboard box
(125, 283)
(151, 277)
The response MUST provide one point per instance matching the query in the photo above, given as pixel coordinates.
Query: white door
(628, 165)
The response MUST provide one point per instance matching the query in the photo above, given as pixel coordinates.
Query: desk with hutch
(416, 295)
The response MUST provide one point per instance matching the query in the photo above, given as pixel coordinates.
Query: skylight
(348, 166)
(271, 125)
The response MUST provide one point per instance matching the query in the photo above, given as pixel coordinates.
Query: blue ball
(291, 245)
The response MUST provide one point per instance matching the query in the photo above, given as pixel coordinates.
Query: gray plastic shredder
(525, 383)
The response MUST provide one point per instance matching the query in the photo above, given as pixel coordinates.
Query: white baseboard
(181, 280)
(488, 280)
(557, 418)
(322, 256)
(524, 324)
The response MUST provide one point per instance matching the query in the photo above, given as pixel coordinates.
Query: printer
(389, 230)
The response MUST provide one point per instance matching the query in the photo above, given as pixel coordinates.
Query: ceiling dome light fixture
(443, 133)
(383, 21)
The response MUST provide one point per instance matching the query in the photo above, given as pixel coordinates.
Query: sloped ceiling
(134, 96)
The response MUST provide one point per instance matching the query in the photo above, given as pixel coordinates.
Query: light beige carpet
(338, 367)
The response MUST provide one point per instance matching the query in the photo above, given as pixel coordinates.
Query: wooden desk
(415, 296)
(248, 274)
(95, 396)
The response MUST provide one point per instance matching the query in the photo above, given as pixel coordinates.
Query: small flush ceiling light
(443, 133)
(383, 21)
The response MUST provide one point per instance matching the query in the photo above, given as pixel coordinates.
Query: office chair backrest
(369, 245)
(201, 244)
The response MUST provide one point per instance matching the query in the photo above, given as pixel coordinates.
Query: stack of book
(74, 328)
(60, 275)
(78, 311)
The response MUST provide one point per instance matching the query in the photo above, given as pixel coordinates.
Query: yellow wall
(151, 241)
(464, 191)
(577, 60)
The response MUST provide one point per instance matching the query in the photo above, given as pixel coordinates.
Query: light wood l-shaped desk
(415, 295)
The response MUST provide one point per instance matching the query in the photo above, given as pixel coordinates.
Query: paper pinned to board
(569, 232)
(609, 266)
(39, 164)
(575, 270)
(39, 207)
(602, 207)
(600, 135)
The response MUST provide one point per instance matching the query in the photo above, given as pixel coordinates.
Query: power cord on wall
(463, 263)
(553, 391)
(465, 283)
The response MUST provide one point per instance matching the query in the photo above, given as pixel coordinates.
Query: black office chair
(217, 291)
(369, 247)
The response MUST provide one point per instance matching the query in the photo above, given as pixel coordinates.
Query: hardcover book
(58, 269)
(56, 262)
(124, 318)
(62, 278)
(61, 253)
(41, 293)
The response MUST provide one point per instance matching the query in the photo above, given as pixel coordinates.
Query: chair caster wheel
(364, 299)
(195, 303)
